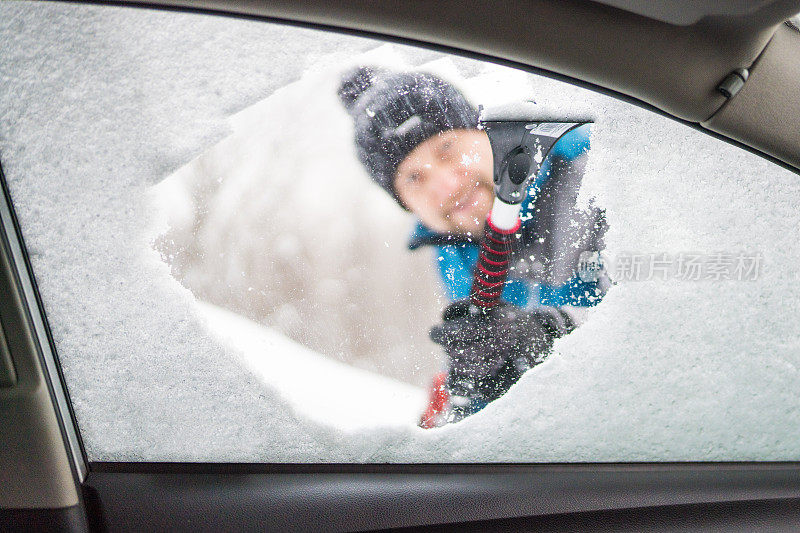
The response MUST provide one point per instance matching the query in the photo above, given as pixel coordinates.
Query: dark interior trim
(426, 494)
(63, 519)
(122, 467)
(760, 515)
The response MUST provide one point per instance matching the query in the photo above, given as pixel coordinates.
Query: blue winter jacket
(546, 269)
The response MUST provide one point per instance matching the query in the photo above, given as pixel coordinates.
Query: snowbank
(317, 387)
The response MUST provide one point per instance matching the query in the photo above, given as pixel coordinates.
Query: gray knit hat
(395, 111)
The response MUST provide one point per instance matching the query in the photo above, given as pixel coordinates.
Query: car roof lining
(685, 13)
(773, 128)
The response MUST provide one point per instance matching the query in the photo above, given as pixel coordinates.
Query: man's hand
(489, 351)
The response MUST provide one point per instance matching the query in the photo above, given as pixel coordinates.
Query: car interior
(728, 69)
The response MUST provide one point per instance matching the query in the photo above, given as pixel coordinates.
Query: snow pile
(322, 390)
(663, 369)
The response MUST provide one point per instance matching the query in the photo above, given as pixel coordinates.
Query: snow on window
(692, 354)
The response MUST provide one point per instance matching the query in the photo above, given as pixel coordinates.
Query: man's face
(447, 181)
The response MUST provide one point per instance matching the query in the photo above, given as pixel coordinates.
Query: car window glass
(227, 275)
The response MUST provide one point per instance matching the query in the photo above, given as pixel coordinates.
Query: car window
(231, 271)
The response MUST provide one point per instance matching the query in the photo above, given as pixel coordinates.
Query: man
(417, 137)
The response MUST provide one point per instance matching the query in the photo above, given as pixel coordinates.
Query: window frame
(348, 495)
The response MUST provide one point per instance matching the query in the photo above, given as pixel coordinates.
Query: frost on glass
(692, 355)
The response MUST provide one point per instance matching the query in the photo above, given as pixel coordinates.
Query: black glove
(490, 350)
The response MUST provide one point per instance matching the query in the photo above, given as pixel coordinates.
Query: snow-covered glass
(224, 281)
